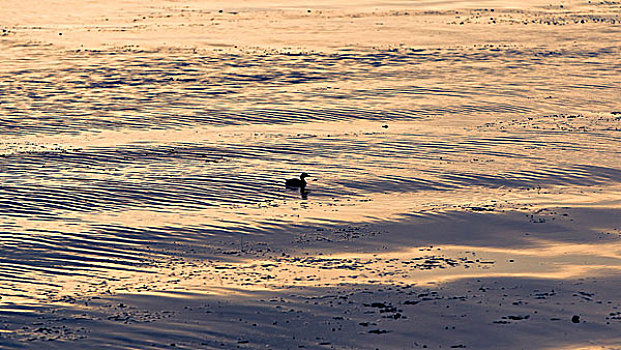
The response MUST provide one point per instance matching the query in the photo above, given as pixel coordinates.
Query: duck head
(303, 175)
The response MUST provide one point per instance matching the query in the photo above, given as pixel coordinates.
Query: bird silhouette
(297, 182)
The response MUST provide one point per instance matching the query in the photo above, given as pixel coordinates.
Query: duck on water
(301, 183)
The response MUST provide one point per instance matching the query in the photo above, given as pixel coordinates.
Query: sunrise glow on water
(464, 189)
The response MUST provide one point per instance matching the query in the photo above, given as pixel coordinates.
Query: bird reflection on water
(298, 184)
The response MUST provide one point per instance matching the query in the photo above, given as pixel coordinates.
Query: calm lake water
(134, 136)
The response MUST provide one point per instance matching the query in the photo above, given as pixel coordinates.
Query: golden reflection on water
(368, 208)
(548, 260)
(422, 266)
(408, 266)
(143, 150)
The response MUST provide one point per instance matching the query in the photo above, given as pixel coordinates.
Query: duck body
(297, 182)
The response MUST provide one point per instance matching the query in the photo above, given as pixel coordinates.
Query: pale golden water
(144, 148)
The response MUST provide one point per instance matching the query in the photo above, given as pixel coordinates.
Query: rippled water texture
(136, 137)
